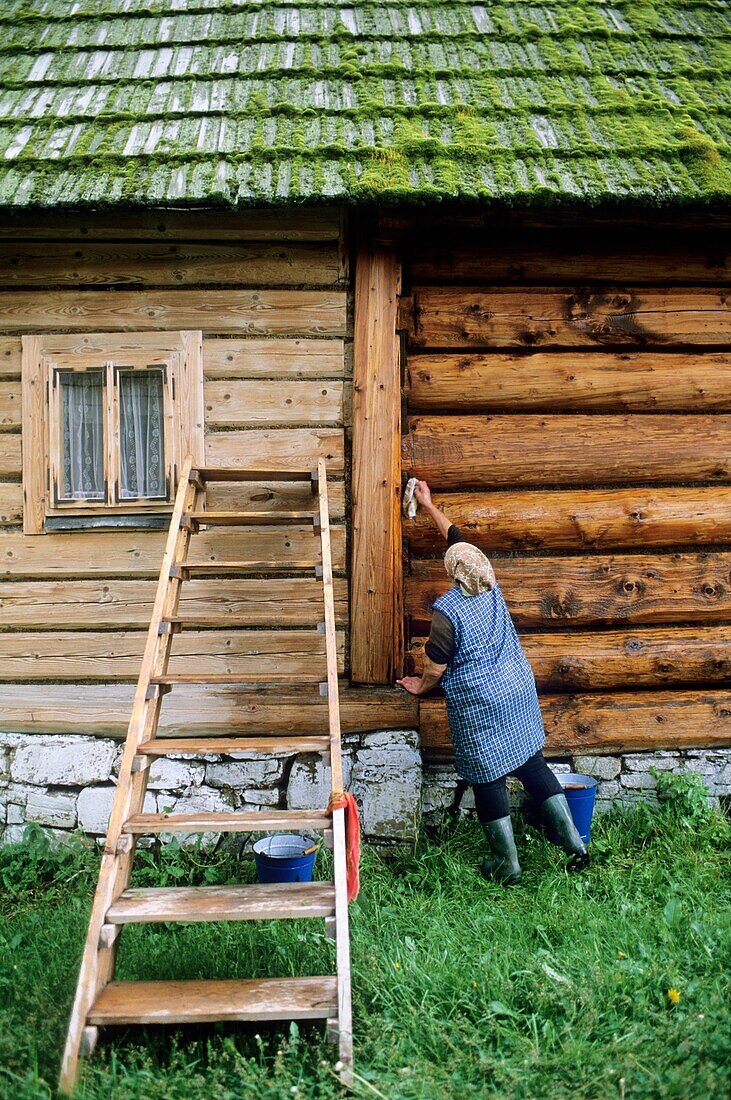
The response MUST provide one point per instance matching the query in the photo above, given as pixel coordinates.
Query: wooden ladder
(100, 1000)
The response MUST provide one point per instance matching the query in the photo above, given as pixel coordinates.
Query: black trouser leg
(491, 800)
(538, 779)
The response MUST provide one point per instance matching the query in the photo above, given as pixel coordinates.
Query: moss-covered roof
(273, 102)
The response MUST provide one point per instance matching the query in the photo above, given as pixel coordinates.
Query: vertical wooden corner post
(375, 590)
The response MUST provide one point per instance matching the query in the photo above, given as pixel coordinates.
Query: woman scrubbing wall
(492, 704)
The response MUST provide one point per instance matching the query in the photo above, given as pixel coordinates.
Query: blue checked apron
(489, 688)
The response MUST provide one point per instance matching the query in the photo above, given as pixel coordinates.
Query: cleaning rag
(409, 503)
(343, 800)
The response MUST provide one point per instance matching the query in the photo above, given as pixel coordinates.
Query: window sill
(145, 521)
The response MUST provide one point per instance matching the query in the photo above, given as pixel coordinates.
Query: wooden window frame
(179, 355)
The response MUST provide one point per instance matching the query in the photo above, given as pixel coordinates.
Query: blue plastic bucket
(580, 791)
(281, 858)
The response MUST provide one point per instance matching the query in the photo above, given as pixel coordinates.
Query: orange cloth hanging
(343, 800)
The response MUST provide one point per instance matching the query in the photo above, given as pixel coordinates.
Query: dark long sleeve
(454, 535)
(440, 644)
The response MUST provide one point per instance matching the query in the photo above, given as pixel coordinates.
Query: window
(107, 422)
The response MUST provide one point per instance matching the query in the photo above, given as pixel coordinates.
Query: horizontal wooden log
(608, 381)
(235, 404)
(89, 604)
(653, 657)
(610, 723)
(576, 519)
(515, 450)
(77, 655)
(258, 312)
(266, 496)
(10, 353)
(102, 264)
(11, 503)
(566, 257)
(9, 404)
(595, 590)
(254, 358)
(528, 317)
(282, 449)
(285, 223)
(139, 553)
(193, 711)
(10, 455)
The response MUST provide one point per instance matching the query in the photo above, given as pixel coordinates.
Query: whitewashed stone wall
(624, 780)
(67, 782)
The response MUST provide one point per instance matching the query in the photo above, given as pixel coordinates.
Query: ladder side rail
(148, 729)
(333, 699)
(342, 937)
(129, 788)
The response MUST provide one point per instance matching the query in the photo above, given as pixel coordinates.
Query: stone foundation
(67, 782)
(623, 780)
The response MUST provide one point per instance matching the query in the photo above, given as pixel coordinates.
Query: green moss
(386, 171)
(634, 101)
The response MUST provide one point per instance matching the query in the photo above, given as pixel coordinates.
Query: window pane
(82, 435)
(141, 443)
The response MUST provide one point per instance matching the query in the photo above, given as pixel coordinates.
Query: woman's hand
(412, 684)
(422, 493)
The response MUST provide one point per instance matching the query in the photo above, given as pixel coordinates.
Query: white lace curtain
(82, 426)
(142, 460)
(141, 435)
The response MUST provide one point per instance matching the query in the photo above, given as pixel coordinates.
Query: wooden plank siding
(568, 399)
(114, 655)
(606, 381)
(592, 589)
(610, 722)
(112, 603)
(577, 519)
(623, 660)
(499, 451)
(103, 710)
(568, 317)
(268, 293)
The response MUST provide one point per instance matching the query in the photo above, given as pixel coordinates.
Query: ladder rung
(207, 1001)
(249, 680)
(253, 519)
(247, 821)
(176, 623)
(209, 473)
(271, 901)
(201, 746)
(185, 568)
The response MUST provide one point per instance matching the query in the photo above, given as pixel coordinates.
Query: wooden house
(485, 244)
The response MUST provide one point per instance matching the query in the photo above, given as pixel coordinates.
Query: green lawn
(555, 988)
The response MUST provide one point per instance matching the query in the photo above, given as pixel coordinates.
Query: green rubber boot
(504, 866)
(558, 815)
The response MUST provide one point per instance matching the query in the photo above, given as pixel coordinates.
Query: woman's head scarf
(469, 567)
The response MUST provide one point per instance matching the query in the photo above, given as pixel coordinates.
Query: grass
(555, 988)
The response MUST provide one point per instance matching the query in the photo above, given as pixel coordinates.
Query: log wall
(270, 295)
(569, 401)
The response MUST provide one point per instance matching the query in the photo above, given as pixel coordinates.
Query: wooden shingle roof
(271, 102)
